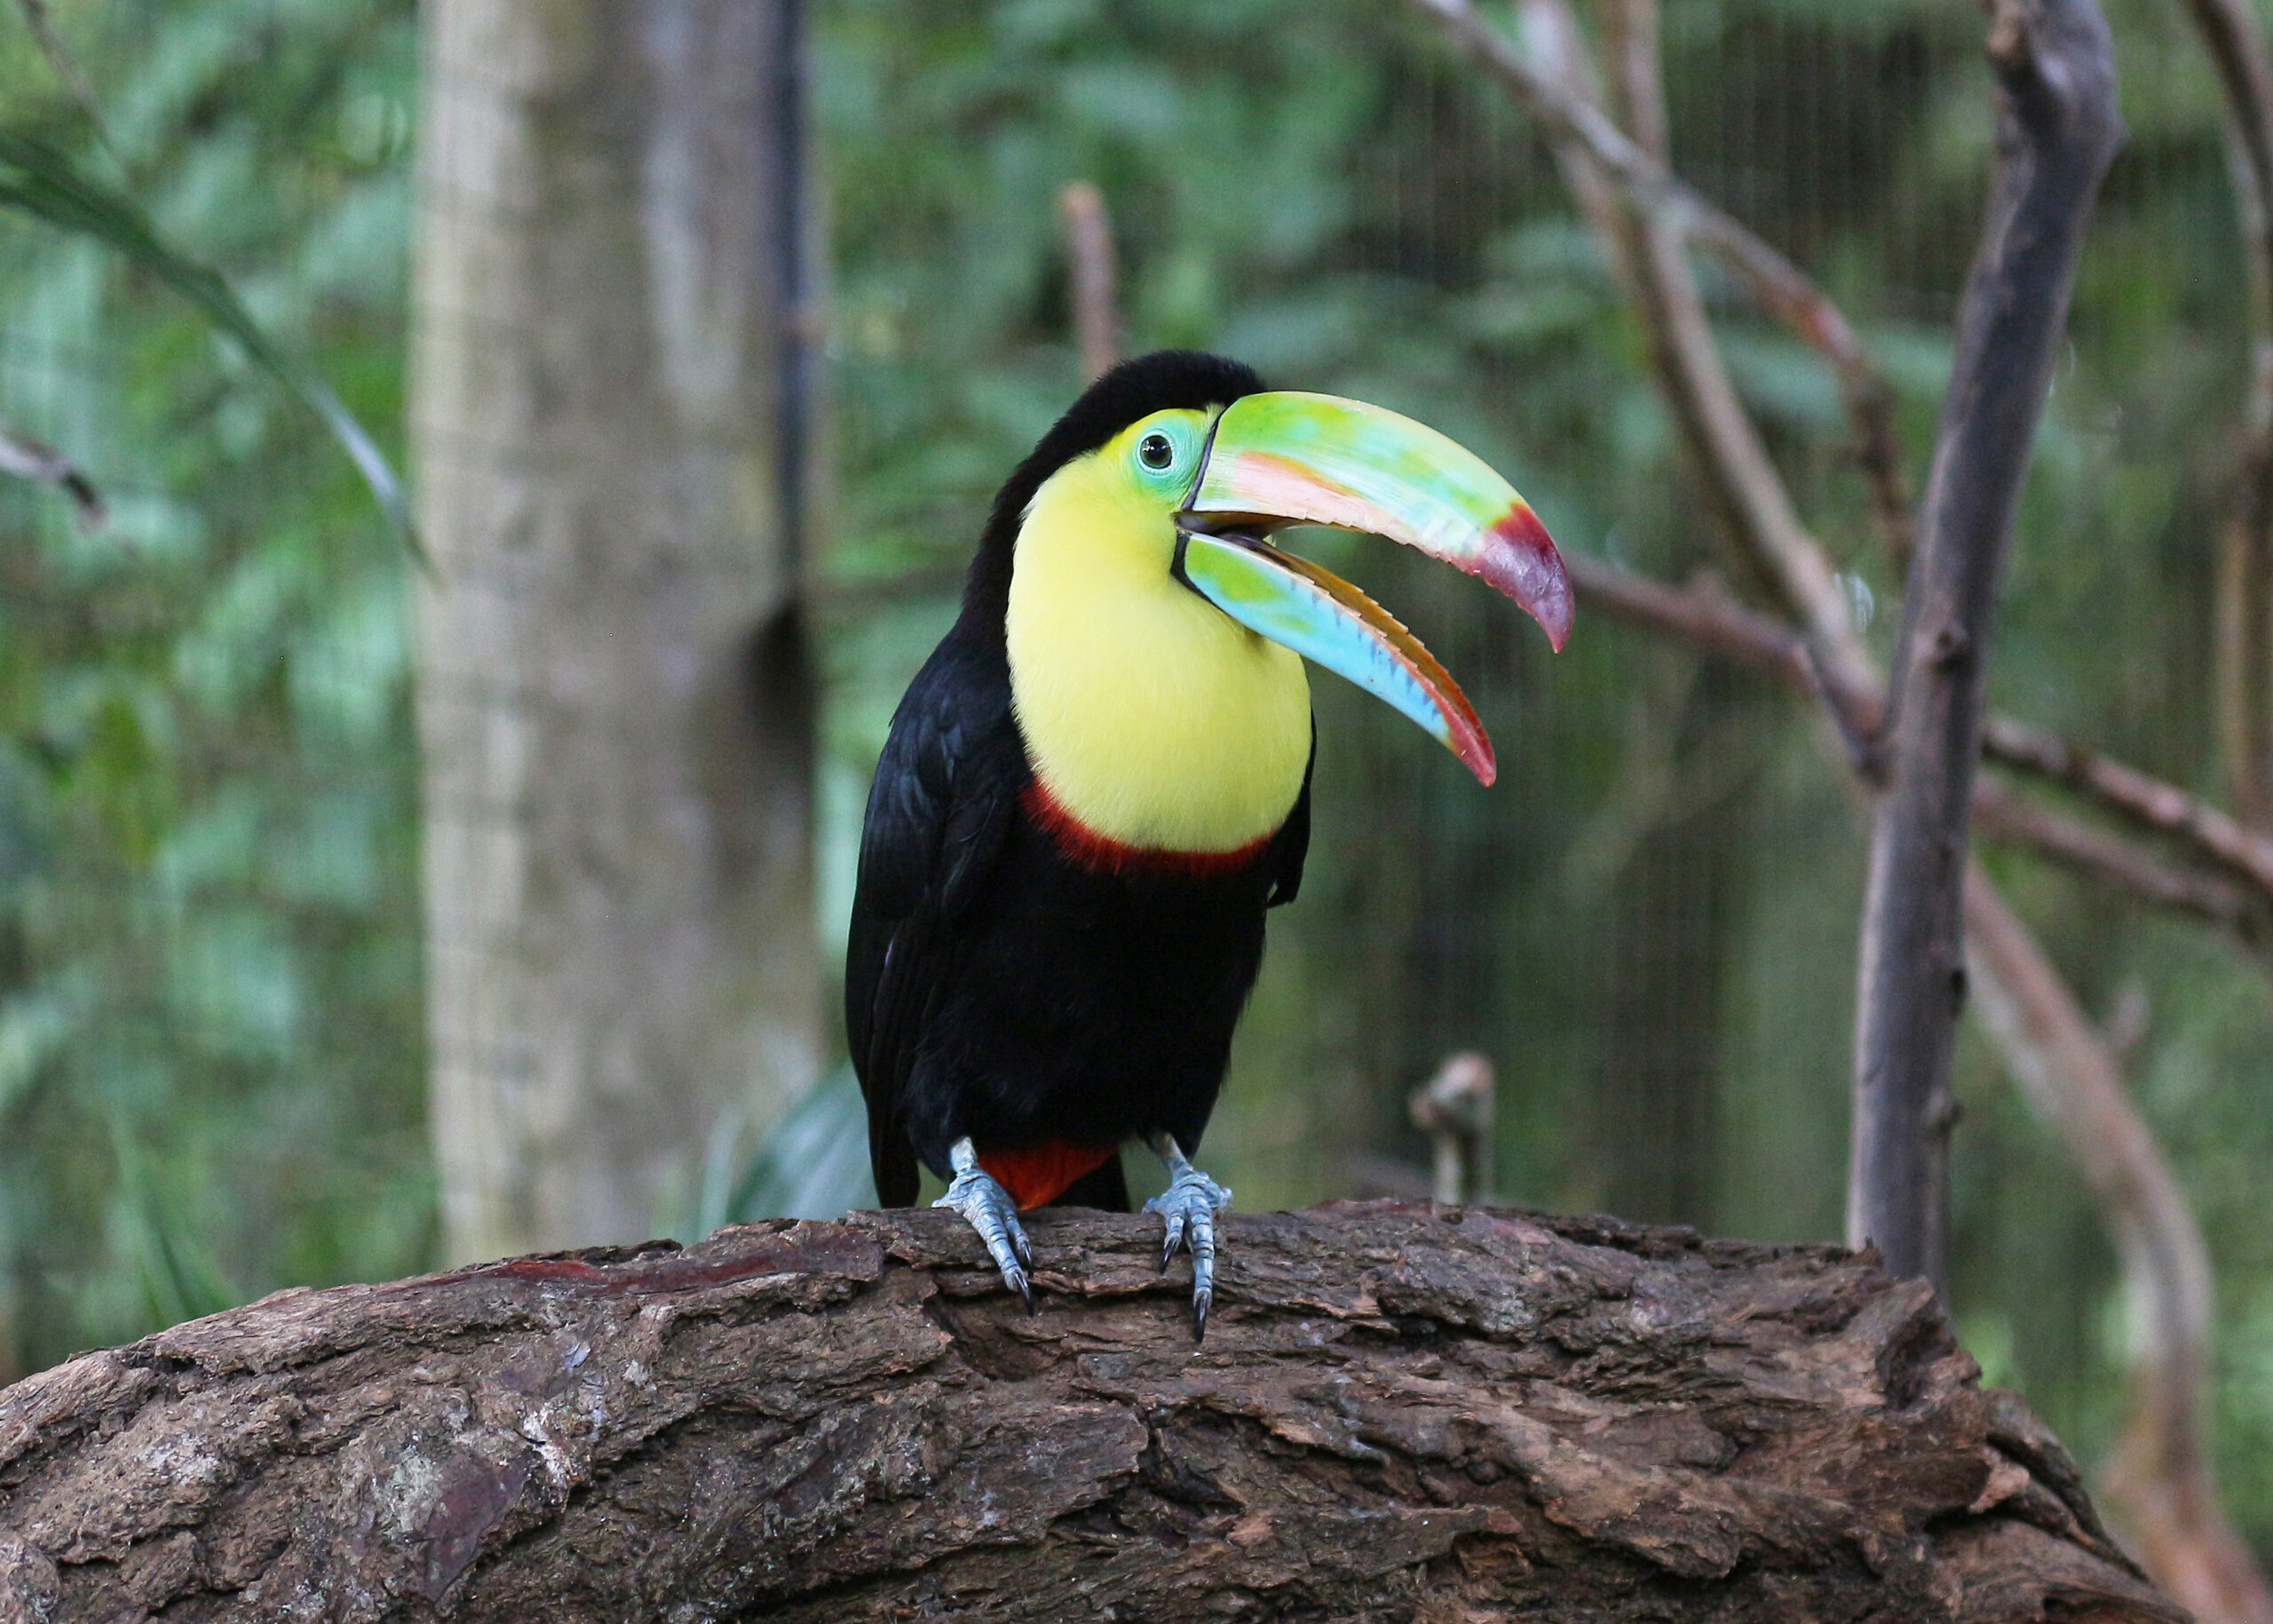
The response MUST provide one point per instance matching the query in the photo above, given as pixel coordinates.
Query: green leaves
(41, 181)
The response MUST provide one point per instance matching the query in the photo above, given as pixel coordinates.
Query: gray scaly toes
(987, 1207)
(1190, 1205)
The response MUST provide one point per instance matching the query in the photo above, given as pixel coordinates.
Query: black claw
(1026, 1292)
(1199, 1301)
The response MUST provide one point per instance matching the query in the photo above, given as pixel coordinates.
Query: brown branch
(1747, 495)
(2140, 798)
(2058, 130)
(1563, 103)
(1705, 615)
(2015, 820)
(1402, 1410)
(1090, 260)
(1557, 91)
(2161, 1478)
(2236, 42)
(1712, 620)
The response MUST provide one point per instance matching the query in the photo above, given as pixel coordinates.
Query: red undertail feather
(1085, 848)
(1038, 1174)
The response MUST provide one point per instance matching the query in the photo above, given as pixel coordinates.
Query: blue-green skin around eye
(1177, 475)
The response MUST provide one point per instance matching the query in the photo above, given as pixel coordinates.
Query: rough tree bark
(614, 692)
(1401, 1412)
(2058, 130)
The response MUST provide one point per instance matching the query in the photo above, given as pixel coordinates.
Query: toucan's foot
(987, 1207)
(1190, 1205)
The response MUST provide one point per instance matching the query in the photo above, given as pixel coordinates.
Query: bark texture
(1401, 1412)
(614, 698)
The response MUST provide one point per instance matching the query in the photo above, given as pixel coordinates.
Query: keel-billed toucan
(1100, 779)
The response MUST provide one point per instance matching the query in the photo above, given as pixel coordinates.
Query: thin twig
(65, 68)
(1088, 254)
(2139, 797)
(1706, 615)
(2161, 1475)
(2002, 814)
(29, 458)
(2236, 42)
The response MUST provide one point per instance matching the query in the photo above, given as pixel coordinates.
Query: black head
(1162, 381)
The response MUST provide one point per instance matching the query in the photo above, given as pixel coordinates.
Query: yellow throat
(1148, 714)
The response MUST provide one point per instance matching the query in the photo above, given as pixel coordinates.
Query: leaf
(180, 1278)
(41, 181)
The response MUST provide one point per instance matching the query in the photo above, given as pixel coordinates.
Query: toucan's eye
(1155, 452)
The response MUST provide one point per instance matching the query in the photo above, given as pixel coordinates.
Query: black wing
(1291, 846)
(945, 791)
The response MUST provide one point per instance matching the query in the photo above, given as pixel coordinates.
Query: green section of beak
(1286, 457)
(1326, 619)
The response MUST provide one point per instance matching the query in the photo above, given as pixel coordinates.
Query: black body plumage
(993, 988)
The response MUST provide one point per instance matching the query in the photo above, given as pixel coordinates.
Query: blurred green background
(211, 1038)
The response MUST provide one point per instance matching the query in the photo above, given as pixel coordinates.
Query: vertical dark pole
(2057, 128)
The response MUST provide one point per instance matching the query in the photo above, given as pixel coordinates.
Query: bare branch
(1710, 619)
(2000, 814)
(2235, 41)
(2144, 800)
(2058, 130)
(1753, 507)
(1704, 613)
(1706, 616)
(1090, 260)
(1557, 92)
(2161, 1478)
(29, 458)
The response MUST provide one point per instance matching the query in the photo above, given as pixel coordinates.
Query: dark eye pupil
(1154, 451)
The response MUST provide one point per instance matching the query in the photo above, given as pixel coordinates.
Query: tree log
(1401, 1412)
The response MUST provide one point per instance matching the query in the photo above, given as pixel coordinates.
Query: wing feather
(945, 790)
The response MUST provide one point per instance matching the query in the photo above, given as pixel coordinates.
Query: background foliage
(210, 1029)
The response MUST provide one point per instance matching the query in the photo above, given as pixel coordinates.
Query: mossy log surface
(1401, 1412)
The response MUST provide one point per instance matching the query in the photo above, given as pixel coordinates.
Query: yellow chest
(1149, 714)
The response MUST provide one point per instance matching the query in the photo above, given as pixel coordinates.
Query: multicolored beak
(1289, 458)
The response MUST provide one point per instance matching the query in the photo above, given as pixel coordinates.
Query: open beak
(1289, 458)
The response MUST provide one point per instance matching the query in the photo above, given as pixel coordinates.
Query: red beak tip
(1525, 565)
(1555, 617)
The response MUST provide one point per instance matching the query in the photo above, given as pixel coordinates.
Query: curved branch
(1576, 127)
(1400, 1410)
(1706, 615)
(2161, 1477)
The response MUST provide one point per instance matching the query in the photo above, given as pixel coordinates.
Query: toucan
(1100, 780)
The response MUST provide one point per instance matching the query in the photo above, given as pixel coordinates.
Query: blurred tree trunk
(614, 692)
